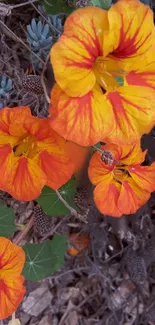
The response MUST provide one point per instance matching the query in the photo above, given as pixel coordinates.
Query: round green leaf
(56, 6)
(45, 258)
(7, 225)
(51, 204)
(104, 4)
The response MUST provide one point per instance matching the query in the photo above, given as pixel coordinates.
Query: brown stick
(23, 234)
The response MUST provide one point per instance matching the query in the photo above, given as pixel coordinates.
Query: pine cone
(32, 84)
(149, 251)
(136, 267)
(43, 224)
(81, 201)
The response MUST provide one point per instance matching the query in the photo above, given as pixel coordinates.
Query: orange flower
(87, 102)
(32, 155)
(12, 259)
(123, 186)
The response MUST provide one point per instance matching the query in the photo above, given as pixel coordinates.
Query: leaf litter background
(113, 280)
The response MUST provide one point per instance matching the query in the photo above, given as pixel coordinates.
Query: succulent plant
(6, 87)
(39, 39)
(41, 35)
(57, 22)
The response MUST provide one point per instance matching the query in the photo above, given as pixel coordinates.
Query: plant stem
(23, 234)
(72, 210)
(7, 31)
(13, 317)
(42, 79)
(23, 4)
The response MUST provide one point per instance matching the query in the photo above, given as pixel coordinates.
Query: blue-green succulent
(42, 33)
(39, 39)
(6, 86)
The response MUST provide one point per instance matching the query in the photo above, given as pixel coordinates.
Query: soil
(112, 281)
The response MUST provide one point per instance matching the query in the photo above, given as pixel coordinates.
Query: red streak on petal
(2, 265)
(128, 46)
(118, 108)
(82, 107)
(139, 79)
(94, 50)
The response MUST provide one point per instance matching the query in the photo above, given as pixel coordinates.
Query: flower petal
(144, 74)
(77, 154)
(6, 163)
(27, 179)
(131, 29)
(98, 171)
(132, 197)
(57, 145)
(126, 154)
(74, 55)
(17, 116)
(57, 167)
(84, 120)
(12, 294)
(134, 113)
(37, 127)
(143, 176)
(5, 136)
(132, 154)
(12, 257)
(106, 196)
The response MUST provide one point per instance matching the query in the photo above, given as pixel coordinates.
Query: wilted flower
(32, 155)
(12, 259)
(125, 185)
(96, 48)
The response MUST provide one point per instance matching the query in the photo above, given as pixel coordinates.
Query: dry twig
(23, 234)
(72, 210)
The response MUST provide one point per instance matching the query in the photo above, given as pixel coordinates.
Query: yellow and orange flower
(123, 186)
(97, 45)
(33, 155)
(12, 259)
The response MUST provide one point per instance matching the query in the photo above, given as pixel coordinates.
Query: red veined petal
(131, 29)
(84, 120)
(134, 113)
(143, 176)
(106, 198)
(12, 294)
(131, 197)
(57, 167)
(27, 178)
(74, 55)
(98, 171)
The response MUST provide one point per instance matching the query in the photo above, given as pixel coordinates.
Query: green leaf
(56, 6)
(104, 4)
(50, 202)
(7, 225)
(45, 258)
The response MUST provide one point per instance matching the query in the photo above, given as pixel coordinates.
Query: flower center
(26, 146)
(106, 72)
(120, 173)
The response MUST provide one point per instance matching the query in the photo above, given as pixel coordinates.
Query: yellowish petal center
(26, 146)
(105, 71)
(120, 173)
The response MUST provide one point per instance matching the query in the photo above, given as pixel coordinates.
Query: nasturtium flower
(12, 259)
(124, 185)
(33, 155)
(98, 46)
